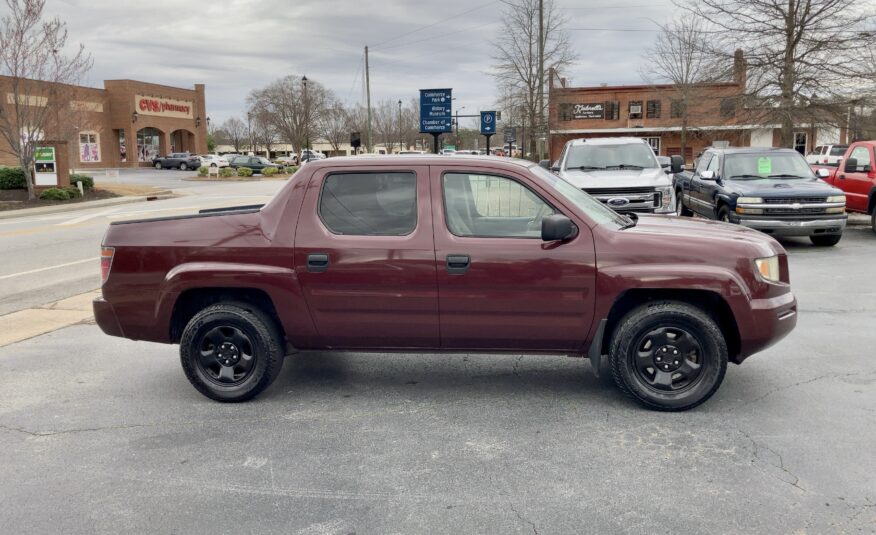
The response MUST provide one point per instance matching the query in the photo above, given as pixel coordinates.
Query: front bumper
(105, 317)
(770, 320)
(800, 227)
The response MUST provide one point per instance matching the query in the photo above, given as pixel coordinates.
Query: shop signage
(588, 111)
(45, 166)
(163, 107)
(435, 111)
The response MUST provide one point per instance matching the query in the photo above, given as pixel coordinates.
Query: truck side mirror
(851, 165)
(546, 164)
(555, 167)
(557, 227)
(707, 175)
(822, 173)
(676, 164)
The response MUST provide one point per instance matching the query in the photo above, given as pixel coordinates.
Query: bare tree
(334, 125)
(807, 58)
(385, 123)
(262, 130)
(293, 112)
(233, 132)
(521, 58)
(681, 56)
(31, 56)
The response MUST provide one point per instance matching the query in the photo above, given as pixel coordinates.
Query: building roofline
(151, 83)
(638, 87)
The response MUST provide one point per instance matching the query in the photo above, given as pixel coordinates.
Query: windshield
(264, 161)
(629, 155)
(766, 165)
(597, 211)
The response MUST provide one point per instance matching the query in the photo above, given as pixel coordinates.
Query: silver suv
(622, 172)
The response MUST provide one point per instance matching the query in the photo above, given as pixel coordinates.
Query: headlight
(768, 268)
(749, 200)
(666, 199)
(837, 198)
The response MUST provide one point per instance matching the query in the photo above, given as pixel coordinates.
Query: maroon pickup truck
(431, 254)
(856, 176)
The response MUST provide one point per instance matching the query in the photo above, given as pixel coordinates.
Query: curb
(61, 208)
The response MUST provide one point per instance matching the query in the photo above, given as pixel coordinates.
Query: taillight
(106, 263)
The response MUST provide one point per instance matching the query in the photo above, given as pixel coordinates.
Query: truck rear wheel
(668, 355)
(231, 352)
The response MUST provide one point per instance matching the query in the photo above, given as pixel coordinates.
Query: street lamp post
(249, 127)
(457, 126)
(400, 134)
(306, 114)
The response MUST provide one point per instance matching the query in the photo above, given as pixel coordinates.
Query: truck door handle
(317, 262)
(458, 264)
(842, 177)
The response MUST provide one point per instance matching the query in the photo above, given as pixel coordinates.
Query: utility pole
(540, 128)
(368, 97)
(400, 133)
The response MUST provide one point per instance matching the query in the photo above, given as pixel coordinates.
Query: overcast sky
(234, 46)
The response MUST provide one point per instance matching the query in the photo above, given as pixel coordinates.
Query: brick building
(654, 112)
(124, 124)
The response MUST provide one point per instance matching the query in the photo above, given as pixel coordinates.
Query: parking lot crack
(794, 385)
(514, 510)
(757, 450)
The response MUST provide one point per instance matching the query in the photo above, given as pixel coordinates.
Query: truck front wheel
(668, 355)
(231, 352)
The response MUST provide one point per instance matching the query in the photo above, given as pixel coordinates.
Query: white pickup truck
(622, 172)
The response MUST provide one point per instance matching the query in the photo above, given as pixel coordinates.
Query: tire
(644, 335)
(724, 215)
(183, 166)
(158, 165)
(873, 220)
(212, 165)
(823, 240)
(680, 209)
(250, 333)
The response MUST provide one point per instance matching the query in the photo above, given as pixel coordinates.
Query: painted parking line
(86, 217)
(39, 270)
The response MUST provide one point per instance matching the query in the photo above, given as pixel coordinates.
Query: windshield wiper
(586, 167)
(624, 166)
(632, 219)
(746, 176)
(786, 176)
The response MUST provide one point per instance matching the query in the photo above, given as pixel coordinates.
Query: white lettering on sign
(164, 107)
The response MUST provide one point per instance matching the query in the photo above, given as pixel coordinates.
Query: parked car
(177, 160)
(388, 253)
(256, 163)
(771, 190)
(230, 156)
(292, 159)
(212, 160)
(412, 152)
(308, 155)
(856, 177)
(826, 154)
(622, 172)
(447, 152)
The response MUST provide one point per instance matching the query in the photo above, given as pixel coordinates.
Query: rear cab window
(369, 204)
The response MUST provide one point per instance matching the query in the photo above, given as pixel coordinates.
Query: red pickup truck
(431, 254)
(856, 176)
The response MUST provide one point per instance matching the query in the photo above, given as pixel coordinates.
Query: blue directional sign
(435, 111)
(488, 122)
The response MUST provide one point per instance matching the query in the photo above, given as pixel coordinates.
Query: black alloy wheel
(668, 355)
(231, 351)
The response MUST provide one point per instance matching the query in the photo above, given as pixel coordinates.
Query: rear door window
(703, 164)
(369, 204)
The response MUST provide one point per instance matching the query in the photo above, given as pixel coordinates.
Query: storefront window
(89, 147)
(148, 144)
(123, 148)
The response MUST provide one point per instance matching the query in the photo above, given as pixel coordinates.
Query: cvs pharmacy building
(125, 124)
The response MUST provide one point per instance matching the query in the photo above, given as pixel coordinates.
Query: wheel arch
(709, 301)
(193, 300)
(871, 203)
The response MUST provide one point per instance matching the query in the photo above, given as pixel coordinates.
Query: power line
(438, 36)
(435, 23)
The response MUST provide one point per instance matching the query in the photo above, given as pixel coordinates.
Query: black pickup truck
(771, 190)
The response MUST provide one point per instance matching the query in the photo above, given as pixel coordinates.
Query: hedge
(55, 194)
(244, 171)
(87, 181)
(73, 191)
(203, 170)
(269, 171)
(227, 172)
(12, 178)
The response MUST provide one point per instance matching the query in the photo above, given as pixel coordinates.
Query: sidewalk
(72, 207)
(24, 324)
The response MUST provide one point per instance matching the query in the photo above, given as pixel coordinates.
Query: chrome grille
(793, 200)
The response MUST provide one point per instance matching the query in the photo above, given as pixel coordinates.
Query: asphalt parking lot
(104, 435)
